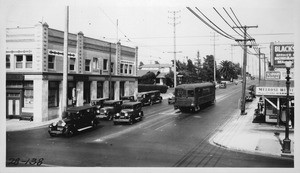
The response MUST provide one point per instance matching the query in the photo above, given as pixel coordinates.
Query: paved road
(165, 138)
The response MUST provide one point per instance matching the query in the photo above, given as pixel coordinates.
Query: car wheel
(110, 117)
(130, 121)
(94, 124)
(69, 133)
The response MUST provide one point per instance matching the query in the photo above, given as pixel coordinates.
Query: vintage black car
(76, 119)
(98, 103)
(149, 97)
(130, 113)
(110, 107)
(223, 85)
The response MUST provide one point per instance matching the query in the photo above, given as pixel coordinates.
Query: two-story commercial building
(34, 71)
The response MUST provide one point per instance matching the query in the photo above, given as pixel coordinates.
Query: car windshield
(108, 104)
(127, 107)
(180, 93)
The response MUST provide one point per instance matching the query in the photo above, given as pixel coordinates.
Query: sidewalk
(240, 133)
(17, 125)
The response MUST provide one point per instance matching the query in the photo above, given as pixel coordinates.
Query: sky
(147, 24)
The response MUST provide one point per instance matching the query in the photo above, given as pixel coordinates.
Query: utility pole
(244, 64)
(214, 58)
(65, 65)
(174, 25)
(265, 66)
(259, 64)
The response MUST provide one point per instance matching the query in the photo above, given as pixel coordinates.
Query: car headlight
(117, 114)
(126, 114)
(193, 104)
(105, 111)
(63, 123)
(54, 123)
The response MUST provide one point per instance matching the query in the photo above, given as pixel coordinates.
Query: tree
(228, 70)
(207, 72)
(148, 78)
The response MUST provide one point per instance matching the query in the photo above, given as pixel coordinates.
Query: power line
(232, 20)
(215, 25)
(226, 21)
(207, 23)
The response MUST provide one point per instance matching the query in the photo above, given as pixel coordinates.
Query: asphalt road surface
(165, 138)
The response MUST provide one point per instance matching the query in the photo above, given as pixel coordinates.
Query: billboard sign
(280, 53)
(273, 91)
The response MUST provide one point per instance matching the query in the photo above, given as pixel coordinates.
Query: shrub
(150, 87)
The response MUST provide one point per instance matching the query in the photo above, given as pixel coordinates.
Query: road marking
(163, 125)
(197, 116)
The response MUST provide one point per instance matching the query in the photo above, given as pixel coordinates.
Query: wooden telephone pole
(244, 64)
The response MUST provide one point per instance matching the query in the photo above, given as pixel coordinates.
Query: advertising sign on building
(273, 91)
(280, 53)
(273, 75)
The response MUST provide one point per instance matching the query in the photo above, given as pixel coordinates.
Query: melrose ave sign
(274, 91)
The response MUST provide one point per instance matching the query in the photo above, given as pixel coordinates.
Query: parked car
(76, 119)
(110, 107)
(98, 103)
(223, 85)
(149, 97)
(130, 113)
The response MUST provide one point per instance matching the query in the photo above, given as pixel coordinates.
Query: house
(162, 68)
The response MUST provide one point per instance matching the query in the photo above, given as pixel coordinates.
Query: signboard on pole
(273, 75)
(280, 53)
(273, 91)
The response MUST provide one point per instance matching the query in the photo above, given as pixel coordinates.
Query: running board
(88, 127)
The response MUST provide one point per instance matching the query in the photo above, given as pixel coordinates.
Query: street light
(287, 142)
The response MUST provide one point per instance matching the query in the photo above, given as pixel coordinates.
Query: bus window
(179, 93)
(190, 93)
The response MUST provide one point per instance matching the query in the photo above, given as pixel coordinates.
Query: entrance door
(13, 105)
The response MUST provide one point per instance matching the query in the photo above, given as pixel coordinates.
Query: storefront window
(95, 63)
(28, 94)
(271, 110)
(72, 64)
(121, 69)
(99, 89)
(53, 94)
(130, 69)
(7, 61)
(87, 64)
(19, 61)
(104, 64)
(28, 61)
(126, 68)
(51, 60)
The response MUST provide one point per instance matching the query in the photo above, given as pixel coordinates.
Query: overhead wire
(216, 25)
(226, 22)
(208, 24)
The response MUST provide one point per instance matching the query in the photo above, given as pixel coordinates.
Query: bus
(189, 97)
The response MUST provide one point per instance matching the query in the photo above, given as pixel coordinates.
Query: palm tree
(227, 69)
